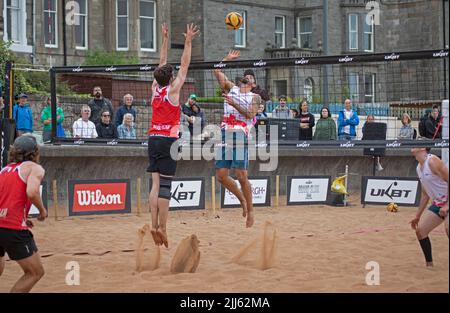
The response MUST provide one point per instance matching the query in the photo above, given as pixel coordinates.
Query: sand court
(318, 249)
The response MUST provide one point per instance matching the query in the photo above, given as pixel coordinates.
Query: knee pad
(165, 183)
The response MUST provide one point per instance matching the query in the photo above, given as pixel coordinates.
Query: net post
(213, 194)
(346, 183)
(277, 191)
(53, 99)
(138, 192)
(55, 198)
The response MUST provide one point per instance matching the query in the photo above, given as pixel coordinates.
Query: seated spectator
(370, 119)
(433, 125)
(294, 113)
(307, 122)
(46, 119)
(83, 127)
(105, 129)
(126, 129)
(407, 131)
(326, 126)
(282, 111)
(23, 115)
(127, 107)
(261, 114)
(347, 121)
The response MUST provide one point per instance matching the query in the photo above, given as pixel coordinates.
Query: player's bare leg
(227, 182)
(154, 208)
(247, 192)
(33, 272)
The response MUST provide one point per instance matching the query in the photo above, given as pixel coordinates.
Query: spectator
(106, 129)
(294, 113)
(192, 114)
(23, 115)
(370, 119)
(347, 122)
(282, 111)
(83, 127)
(433, 125)
(98, 104)
(407, 131)
(124, 109)
(126, 129)
(326, 126)
(261, 114)
(250, 75)
(307, 122)
(46, 119)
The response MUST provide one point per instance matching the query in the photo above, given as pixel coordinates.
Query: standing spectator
(250, 76)
(326, 126)
(23, 115)
(294, 113)
(347, 122)
(98, 104)
(46, 119)
(282, 111)
(407, 131)
(106, 129)
(192, 114)
(126, 129)
(307, 122)
(83, 127)
(370, 119)
(124, 109)
(433, 125)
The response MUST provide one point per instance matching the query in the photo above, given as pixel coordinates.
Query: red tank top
(166, 116)
(14, 203)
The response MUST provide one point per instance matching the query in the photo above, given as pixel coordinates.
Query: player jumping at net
(240, 107)
(164, 131)
(20, 182)
(433, 175)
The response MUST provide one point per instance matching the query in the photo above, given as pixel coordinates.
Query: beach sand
(318, 249)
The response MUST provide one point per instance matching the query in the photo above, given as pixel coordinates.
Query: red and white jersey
(166, 116)
(14, 203)
(232, 119)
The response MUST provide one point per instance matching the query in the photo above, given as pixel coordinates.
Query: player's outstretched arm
(223, 80)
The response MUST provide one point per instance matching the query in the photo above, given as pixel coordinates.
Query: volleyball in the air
(233, 20)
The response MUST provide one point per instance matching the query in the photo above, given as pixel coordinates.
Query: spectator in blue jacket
(23, 116)
(124, 109)
(347, 122)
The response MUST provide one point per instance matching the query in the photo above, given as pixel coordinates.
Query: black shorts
(19, 244)
(160, 160)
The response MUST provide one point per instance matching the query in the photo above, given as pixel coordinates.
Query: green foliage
(99, 57)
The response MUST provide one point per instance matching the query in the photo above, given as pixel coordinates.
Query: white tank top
(232, 119)
(434, 186)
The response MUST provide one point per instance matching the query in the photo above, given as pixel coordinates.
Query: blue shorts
(435, 209)
(232, 153)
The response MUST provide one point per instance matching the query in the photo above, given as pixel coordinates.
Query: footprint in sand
(187, 256)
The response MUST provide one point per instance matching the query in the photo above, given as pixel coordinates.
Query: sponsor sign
(384, 190)
(308, 190)
(260, 192)
(186, 193)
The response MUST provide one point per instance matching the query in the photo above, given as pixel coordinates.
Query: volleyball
(392, 207)
(233, 20)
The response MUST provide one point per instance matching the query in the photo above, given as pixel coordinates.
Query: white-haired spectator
(83, 127)
(124, 109)
(126, 129)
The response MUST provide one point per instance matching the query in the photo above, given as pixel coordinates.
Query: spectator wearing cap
(193, 115)
(46, 119)
(23, 115)
(282, 110)
(250, 76)
(127, 107)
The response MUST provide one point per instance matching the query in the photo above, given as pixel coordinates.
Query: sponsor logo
(304, 144)
(220, 65)
(260, 63)
(348, 144)
(145, 68)
(177, 67)
(77, 70)
(308, 189)
(302, 61)
(261, 145)
(88, 198)
(392, 57)
(440, 54)
(442, 144)
(346, 59)
(394, 144)
(112, 142)
(390, 192)
(110, 69)
(144, 143)
(182, 195)
(3, 213)
(79, 142)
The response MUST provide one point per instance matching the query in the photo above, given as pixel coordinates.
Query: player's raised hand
(191, 31)
(232, 55)
(164, 30)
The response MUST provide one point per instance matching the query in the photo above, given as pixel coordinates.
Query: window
(240, 39)
(309, 89)
(280, 87)
(353, 31)
(353, 86)
(280, 31)
(122, 25)
(369, 86)
(368, 36)
(147, 25)
(81, 30)
(305, 32)
(50, 23)
(15, 25)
